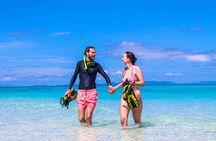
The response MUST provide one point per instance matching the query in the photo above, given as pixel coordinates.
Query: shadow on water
(135, 132)
(142, 125)
(106, 123)
(147, 124)
(117, 123)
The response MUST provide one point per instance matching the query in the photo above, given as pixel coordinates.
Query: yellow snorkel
(89, 66)
(85, 62)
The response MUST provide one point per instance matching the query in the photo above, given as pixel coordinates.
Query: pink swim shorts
(87, 98)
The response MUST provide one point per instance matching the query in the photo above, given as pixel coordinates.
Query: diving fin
(129, 96)
(65, 100)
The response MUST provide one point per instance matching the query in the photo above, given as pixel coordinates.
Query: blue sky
(41, 41)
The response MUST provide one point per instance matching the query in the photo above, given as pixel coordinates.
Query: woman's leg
(124, 111)
(137, 112)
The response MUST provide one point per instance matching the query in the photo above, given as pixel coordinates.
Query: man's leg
(89, 113)
(81, 115)
(81, 106)
(92, 100)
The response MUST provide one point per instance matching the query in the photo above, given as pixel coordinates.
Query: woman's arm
(118, 86)
(113, 89)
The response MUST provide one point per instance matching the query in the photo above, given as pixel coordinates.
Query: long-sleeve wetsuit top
(87, 80)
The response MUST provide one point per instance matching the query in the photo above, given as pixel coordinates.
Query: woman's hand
(111, 89)
(132, 83)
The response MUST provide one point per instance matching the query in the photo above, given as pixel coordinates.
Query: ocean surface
(170, 113)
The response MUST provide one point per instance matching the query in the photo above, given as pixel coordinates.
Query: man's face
(91, 54)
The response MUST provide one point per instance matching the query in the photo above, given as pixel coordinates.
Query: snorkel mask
(89, 66)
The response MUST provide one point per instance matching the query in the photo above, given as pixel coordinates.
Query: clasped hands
(112, 89)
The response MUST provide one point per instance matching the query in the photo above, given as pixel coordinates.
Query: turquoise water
(177, 112)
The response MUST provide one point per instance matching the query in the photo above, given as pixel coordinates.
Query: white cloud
(49, 59)
(198, 58)
(193, 29)
(35, 68)
(99, 78)
(106, 71)
(60, 34)
(173, 74)
(16, 44)
(41, 73)
(113, 72)
(39, 60)
(147, 52)
(7, 79)
(118, 72)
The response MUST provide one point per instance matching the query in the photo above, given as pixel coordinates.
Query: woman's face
(125, 59)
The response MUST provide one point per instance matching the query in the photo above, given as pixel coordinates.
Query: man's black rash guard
(87, 80)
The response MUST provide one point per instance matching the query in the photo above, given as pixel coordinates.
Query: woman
(134, 75)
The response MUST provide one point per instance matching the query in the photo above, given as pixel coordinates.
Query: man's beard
(91, 58)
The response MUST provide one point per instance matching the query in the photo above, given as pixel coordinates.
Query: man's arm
(73, 79)
(106, 77)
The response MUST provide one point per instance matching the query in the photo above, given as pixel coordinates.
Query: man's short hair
(88, 49)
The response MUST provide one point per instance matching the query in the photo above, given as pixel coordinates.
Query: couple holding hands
(87, 95)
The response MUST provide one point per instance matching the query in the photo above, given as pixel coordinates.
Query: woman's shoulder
(136, 67)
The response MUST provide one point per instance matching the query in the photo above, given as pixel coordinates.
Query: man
(87, 94)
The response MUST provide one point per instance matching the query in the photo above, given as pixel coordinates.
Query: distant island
(147, 83)
(175, 83)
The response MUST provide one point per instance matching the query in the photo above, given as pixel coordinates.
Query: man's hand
(68, 92)
(111, 89)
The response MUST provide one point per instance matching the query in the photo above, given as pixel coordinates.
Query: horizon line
(148, 83)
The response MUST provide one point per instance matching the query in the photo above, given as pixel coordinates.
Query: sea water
(174, 113)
